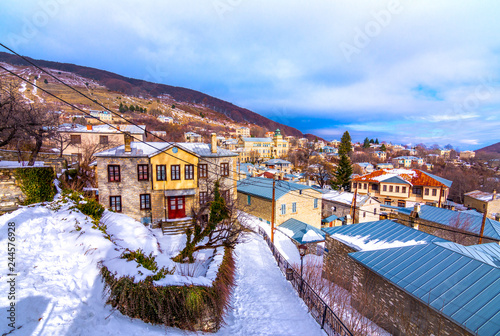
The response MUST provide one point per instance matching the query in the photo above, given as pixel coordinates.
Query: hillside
(141, 88)
(495, 148)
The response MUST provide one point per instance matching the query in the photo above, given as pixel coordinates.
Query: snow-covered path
(264, 303)
(59, 290)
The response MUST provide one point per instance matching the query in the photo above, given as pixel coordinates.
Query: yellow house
(257, 149)
(292, 201)
(158, 182)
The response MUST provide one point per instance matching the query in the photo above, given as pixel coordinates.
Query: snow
(59, 290)
(363, 243)
(19, 164)
(312, 236)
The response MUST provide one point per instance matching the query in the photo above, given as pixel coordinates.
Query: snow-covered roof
(76, 128)
(482, 195)
(346, 197)
(148, 149)
(257, 139)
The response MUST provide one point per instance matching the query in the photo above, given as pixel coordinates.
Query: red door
(176, 208)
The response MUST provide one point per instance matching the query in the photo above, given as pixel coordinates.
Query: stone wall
(394, 309)
(337, 265)
(11, 195)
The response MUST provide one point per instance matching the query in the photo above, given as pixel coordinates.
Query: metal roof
(277, 161)
(457, 285)
(329, 219)
(148, 149)
(449, 217)
(263, 187)
(257, 139)
(385, 231)
(300, 229)
(396, 179)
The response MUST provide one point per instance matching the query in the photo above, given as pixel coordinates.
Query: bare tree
(11, 107)
(39, 124)
(320, 171)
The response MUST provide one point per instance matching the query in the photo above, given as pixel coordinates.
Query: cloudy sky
(397, 70)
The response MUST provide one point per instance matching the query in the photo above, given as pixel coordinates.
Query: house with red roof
(403, 187)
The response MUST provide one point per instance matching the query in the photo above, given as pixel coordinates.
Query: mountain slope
(495, 148)
(137, 87)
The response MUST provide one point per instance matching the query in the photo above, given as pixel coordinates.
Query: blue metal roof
(396, 179)
(444, 181)
(449, 217)
(263, 187)
(300, 229)
(277, 161)
(443, 276)
(384, 230)
(329, 219)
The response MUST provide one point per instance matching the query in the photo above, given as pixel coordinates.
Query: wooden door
(176, 207)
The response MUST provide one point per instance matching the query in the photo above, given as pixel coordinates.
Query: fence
(321, 312)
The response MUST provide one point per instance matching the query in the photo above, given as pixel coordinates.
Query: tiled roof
(442, 275)
(414, 176)
(450, 217)
(263, 187)
(385, 231)
(299, 229)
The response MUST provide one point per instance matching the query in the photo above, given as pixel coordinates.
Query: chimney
(416, 207)
(127, 140)
(89, 127)
(213, 142)
(494, 196)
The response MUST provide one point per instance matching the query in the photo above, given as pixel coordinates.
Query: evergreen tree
(343, 174)
(345, 144)
(372, 141)
(376, 141)
(383, 148)
(366, 143)
(131, 108)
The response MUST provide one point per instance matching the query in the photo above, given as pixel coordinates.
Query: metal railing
(321, 312)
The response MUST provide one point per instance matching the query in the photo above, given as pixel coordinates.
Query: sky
(401, 71)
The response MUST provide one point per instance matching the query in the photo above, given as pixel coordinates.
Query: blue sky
(401, 71)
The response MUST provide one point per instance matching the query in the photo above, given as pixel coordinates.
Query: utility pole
(353, 204)
(272, 213)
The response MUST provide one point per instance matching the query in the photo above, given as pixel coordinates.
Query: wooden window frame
(175, 172)
(224, 169)
(189, 172)
(203, 170)
(145, 199)
(142, 175)
(113, 171)
(117, 201)
(162, 169)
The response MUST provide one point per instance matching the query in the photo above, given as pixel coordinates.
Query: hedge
(37, 184)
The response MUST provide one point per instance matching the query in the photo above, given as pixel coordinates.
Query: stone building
(163, 182)
(440, 288)
(292, 200)
(342, 240)
(484, 202)
(340, 203)
(466, 155)
(87, 138)
(256, 149)
(403, 187)
(456, 226)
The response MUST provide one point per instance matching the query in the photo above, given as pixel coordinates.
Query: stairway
(175, 227)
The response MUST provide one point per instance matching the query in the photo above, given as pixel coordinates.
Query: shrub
(91, 208)
(185, 307)
(37, 183)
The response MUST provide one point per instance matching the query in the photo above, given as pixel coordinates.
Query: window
(115, 203)
(175, 172)
(364, 214)
(203, 170)
(224, 169)
(76, 139)
(103, 139)
(294, 207)
(249, 200)
(397, 189)
(375, 187)
(354, 185)
(387, 202)
(315, 203)
(283, 209)
(161, 173)
(226, 195)
(189, 172)
(403, 189)
(401, 204)
(426, 191)
(384, 187)
(143, 172)
(365, 186)
(374, 211)
(145, 201)
(113, 173)
(203, 197)
(417, 191)
(434, 192)
(391, 188)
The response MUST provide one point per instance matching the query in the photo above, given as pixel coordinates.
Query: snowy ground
(59, 290)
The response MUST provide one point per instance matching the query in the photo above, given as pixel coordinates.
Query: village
(376, 222)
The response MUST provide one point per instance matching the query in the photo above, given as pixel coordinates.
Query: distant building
(382, 155)
(165, 119)
(483, 201)
(243, 131)
(279, 164)
(367, 167)
(407, 161)
(101, 115)
(192, 137)
(340, 203)
(254, 149)
(466, 155)
(385, 165)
